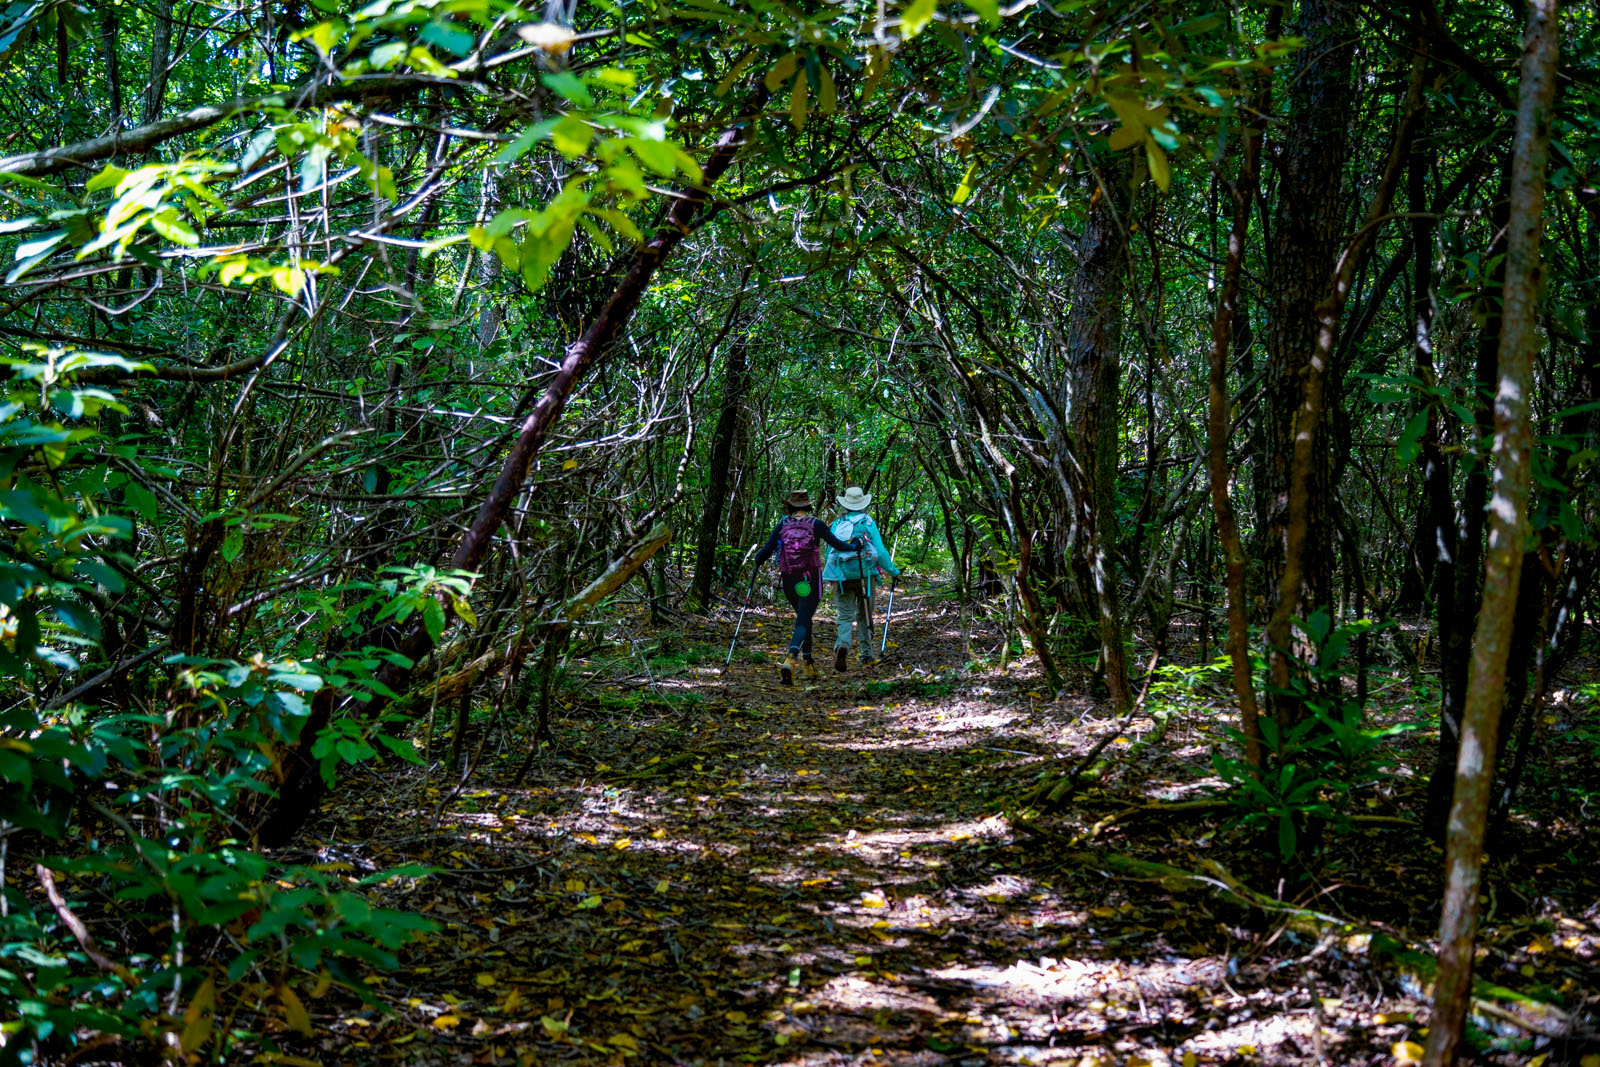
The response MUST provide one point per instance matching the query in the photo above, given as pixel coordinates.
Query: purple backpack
(798, 551)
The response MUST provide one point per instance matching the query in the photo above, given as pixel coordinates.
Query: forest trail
(808, 875)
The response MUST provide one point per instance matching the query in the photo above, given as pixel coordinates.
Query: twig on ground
(80, 932)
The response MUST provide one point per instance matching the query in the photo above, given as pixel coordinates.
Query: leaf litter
(839, 873)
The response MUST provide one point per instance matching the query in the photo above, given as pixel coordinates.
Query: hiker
(796, 539)
(854, 573)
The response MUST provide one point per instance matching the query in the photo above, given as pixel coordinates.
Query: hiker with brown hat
(796, 540)
(855, 572)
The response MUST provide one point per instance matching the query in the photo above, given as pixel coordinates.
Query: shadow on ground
(823, 874)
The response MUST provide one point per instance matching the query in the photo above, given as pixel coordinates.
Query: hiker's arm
(883, 553)
(767, 549)
(827, 535)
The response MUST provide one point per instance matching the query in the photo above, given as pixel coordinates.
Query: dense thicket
(350, 347)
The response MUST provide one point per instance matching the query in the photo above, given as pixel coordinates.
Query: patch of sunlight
(1198, 789)
(1111, 987)
(1246, 1036)
(865, 996)
(897, 839)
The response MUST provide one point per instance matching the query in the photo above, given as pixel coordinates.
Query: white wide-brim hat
(854, 498)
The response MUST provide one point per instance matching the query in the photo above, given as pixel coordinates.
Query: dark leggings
(804, 608)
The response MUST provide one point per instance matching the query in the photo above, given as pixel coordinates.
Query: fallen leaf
(294, 1010)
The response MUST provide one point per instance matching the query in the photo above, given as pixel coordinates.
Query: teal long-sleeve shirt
(864, 524)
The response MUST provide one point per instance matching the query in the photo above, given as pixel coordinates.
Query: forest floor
(710, 868)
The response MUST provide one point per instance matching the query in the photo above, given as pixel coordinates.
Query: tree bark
(155, 93)
(1513, 447)
(735, 381)
(1433, 530)
(1459, 575)
(1091, 379)
(110, 42)
(147, 136)
(1305, 578)
(1243, 194)
(1308, 224)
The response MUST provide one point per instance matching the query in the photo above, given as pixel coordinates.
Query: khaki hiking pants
(855, 618)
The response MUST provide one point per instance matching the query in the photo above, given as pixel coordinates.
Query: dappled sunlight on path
(821, 874)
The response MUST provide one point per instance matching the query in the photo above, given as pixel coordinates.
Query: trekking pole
(747, 594)
(887, 612)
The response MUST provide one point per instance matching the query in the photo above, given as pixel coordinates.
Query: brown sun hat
(798, 500)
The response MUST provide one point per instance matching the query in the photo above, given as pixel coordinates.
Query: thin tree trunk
(1459, 575)
(735, 381)
(1243, 195)
(155, 93)
(1513, 447)
(110, 32)
(1433, 521)
(490, 312)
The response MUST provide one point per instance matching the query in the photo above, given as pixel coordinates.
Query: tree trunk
(1308, 224)
(1306, 579)
(1243, 194)
(734, 383)
(110, 34)
(1459, 575)
(1091, 379)
(155, 93)
(1433, 521)
(1513, 447)
(738, 494)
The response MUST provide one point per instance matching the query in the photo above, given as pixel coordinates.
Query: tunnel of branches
(370, 362)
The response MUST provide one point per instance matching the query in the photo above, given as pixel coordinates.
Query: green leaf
(570, 86)
(528, 138)
(108, 178)
(402, 748)
(1159, 170)
(964, 190)
(141, 500)
(449, 38)
(797, 103)
(169, 225)
(988, 10)
(433, 618)
(327, 35)
(233, 544)
(572, 136)
(1409, 446)
(405, 870)
(916, 17)
(781, 72)
(1125, 137)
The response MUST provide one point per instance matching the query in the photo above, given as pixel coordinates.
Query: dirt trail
(807, 875)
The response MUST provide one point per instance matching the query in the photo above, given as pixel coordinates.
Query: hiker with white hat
(854, 573)
(796, 541)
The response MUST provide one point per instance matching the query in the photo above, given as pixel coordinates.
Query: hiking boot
(786, 670)
(838, 658)
(869, 660)
(810, 671)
